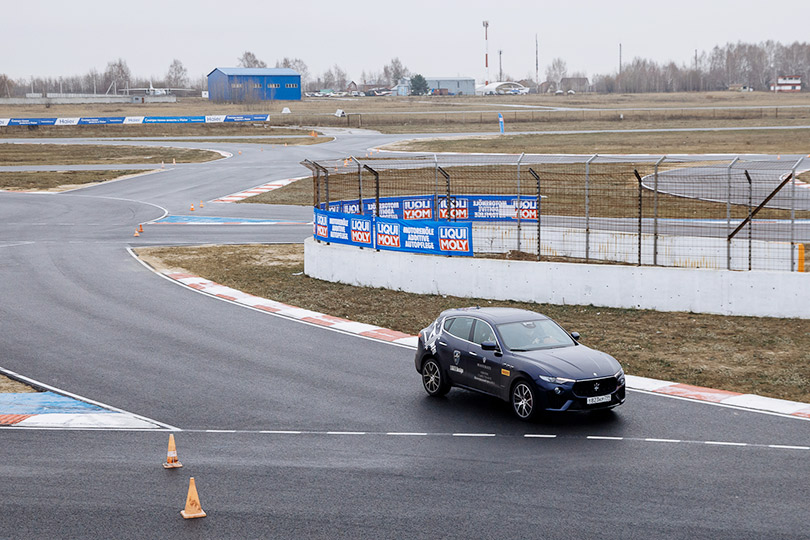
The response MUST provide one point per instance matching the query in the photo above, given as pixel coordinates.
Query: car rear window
(459, 327)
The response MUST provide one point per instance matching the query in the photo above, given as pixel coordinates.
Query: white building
(787, 83)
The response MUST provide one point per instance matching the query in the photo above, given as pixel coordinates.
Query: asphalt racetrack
(296, 431)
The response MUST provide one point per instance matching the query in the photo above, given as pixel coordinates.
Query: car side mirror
(575, 335)
(489, 346)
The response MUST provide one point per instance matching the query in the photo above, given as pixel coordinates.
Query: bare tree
(117, 74)
(6, 85)
(249, 60)
(394, 71)
(556, 71)
(295, 64)
(177, 76)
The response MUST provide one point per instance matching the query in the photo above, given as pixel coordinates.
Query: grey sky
(435, 38)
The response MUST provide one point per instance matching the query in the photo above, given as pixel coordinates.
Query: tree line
(754, 65)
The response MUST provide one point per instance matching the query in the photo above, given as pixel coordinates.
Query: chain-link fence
(687, 211)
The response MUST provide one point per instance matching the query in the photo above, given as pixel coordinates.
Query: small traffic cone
(174, 161)
(171, 456)
(285, 144)
(140, 228)
(136, 233)
(192, 207)
(240, 152)
(193, 508)
(201, 204)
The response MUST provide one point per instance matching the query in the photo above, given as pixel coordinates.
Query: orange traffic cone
(171, 457)
(240, 152)
(201, 204)
(136, 233)
(192, 207)
(161, 164)
(140, 228)
(193, 508)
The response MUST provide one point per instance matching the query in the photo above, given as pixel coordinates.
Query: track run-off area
(293, 429)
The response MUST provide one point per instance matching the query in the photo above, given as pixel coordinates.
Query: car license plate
(598, 399)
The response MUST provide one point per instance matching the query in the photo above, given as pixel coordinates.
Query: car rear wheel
(524, 400)
(433, 378)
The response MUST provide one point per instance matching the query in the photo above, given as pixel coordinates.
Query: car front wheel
(433, 379)
(524, 400)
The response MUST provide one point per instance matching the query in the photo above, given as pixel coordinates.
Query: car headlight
(620, 376)
(556, 380)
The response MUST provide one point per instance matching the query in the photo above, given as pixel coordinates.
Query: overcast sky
(434, 38)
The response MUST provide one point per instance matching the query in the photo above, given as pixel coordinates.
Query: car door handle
(443, 343)
(473, 354)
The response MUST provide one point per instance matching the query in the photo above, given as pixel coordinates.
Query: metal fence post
(518, 200)
(638, 177)
(359, 185)
(655, 213)
(436, 187)
(793, 262)
(750, 221)
(450, 213)
(588, 206)
(537, 177)
(728, 211)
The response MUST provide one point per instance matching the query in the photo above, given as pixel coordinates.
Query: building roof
(253, 72)
(449, 79)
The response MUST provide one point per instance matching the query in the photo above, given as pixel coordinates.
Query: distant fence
(695, 212)
(121, 120)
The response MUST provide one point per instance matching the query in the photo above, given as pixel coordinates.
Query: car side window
(459, 327)
(482, 332)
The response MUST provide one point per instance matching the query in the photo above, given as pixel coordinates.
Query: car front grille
(595, 387)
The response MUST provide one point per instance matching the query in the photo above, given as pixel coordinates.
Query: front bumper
(570, 398)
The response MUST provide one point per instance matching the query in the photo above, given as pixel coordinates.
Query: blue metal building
(254, 84)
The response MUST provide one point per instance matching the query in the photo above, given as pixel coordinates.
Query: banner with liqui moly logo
(342, 228)
(456, 208)
(433, 237)
(417, 236)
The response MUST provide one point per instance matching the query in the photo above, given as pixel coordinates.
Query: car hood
(576, 362)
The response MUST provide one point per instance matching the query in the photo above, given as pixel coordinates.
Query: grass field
(87, 154)
(769, 357)
(58, 180)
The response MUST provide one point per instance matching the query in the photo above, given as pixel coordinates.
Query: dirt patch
(56, 181)
(88, 154)
(765, 356)
(11, 386)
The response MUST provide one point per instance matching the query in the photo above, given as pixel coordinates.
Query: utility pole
(500, 65)
(537, 63)
(486, 50)
(619, 80)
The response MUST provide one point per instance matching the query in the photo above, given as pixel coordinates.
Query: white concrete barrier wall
(679, 251)
(763, 294)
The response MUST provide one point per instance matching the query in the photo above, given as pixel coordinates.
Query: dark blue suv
(519, 356)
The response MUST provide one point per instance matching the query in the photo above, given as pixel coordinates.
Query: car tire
(523, 399)
(433, 378)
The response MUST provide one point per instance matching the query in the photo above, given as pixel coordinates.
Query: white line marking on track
(788, 447)
(406, 434)
(346, 433)
(473, 435)
(604, 438)
(539, 436)
(664, 440)
(280, 432)
(721, 443)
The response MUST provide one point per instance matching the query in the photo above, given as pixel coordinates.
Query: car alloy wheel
(432, 378)
(523, 400)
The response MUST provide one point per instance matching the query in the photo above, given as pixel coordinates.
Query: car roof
(494, 315)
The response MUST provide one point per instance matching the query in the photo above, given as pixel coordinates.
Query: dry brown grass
(613, 190)
(661, 143)
(769, 357)
(86, 154)
(150, 130)
(292, 141)
(12, 386)
(58, 180)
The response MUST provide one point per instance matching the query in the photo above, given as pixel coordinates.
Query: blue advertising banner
(101, 120)
(461, 207)
(416, 236)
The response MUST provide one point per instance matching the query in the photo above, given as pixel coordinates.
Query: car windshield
(533, 335)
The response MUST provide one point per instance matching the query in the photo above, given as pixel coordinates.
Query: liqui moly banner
(341, 228)
(457, 208)
(432, 237)
(417, 236)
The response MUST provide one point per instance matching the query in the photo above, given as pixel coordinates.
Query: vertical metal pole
(518, 200)
(588, 206)
(793, 262)
(537, 177)
(326, 181)
(655, 213)
(318, 188)
(638, 176)
(728, 211)
(750, 221)
(436, 188)
(359, 184)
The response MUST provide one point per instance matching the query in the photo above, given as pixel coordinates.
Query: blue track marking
(44, 402)
(212, 220)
